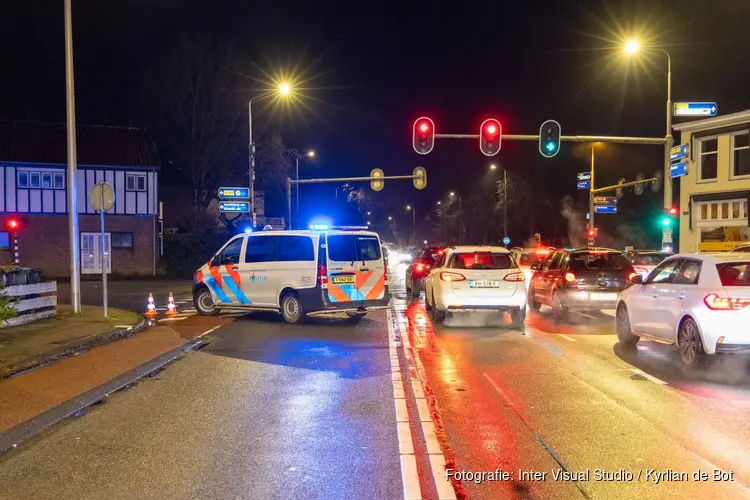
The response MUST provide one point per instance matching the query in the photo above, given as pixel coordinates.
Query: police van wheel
(204, 304)
(291, 309)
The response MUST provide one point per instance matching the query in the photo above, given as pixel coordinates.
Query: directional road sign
(695, 109)
(234, 206)
(605, 209)
(584, 184)
(605, 200)
(678, 169)
(584, 176)
(678, 152)
(234, 193)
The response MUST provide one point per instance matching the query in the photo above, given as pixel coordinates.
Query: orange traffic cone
(150, 308)
(171, 309)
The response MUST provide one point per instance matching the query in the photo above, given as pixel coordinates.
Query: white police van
(297, 273)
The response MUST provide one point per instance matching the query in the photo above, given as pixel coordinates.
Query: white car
(644, 261)
(700, 302)
(467, 278)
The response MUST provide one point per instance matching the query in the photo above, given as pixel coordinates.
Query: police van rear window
(352, 247)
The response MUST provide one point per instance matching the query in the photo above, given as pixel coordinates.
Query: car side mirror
(637, 279)
(534, 267)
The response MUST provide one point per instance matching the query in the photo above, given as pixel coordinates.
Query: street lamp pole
(668, 137)
(505, 202)
(75, 254)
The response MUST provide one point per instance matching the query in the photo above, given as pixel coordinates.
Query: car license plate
(484, 284)
(603, 296)
(342, 280)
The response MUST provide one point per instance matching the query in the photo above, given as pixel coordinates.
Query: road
(131, 294)
(269, 410)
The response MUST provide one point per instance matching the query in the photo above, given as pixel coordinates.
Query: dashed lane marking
(445, 488)
(650, 377)
(570, 339)
(410, 478)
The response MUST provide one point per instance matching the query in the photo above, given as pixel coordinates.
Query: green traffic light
(666, 222)
(550, 146)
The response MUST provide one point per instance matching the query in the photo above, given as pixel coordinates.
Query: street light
(493, 167)
(633, 47)
(297, 156)
(284, 89)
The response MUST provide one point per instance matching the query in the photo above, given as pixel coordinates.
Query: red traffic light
(424, 135)
(13, 224)
(591, 232)
(673, 211)
(490, 137)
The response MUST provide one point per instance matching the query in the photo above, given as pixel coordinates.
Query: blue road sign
(584, 184)
(584, 176)
(234, 193)
(605, 209)
(506, 240)
(695, 109)
(678, 152)
(678, 169)
(234, 206)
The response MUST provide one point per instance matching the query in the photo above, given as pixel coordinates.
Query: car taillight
(323, 274)
(385, 273)
(445, 276)
(640, 270)
(632, 275)
(570, 277)
(716, 303)
(514, 277)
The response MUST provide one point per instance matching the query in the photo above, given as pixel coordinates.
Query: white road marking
(405, 444)
(209, 331)
(410, 478)
(424, 410)
(650, 377)
(609, 312)
(433, 446)
(444, 486)
(586, 315)
(416, 386)
(571, 339)
(402, 414)
(398, 392)
(175, 318)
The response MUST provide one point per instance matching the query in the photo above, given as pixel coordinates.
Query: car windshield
(481, 260)
(649, 259)
(605, 261)
(734, 273)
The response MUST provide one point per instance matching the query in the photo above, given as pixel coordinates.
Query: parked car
(586, 278)
(470, 278)
(699, 302)
(420, 268)
(644, 261)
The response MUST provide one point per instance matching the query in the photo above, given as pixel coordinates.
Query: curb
(72, 349)
(25, 431)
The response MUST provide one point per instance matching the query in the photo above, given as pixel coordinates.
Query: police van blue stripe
(215, 288)
(236, 290)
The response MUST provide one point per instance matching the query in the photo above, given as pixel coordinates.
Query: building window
(47, 180)
(23, 179)
(122, 240)
(709, 159)
(135, 182)
(741, 154)
(730, 210)
(4, 240)
(35, 180)
(59, 180)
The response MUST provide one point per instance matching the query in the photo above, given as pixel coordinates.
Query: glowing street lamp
(632, 46)
(285, 88)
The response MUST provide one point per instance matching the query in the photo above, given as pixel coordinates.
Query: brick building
(33, 188)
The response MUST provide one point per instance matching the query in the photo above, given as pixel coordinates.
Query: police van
(296, 273)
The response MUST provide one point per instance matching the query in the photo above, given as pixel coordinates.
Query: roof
(479, 248)
(34, 142)
(729, 120)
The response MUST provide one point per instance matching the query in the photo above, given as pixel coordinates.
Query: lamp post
(297, 157)
(413, 223)
(284, 89)
(633, 47)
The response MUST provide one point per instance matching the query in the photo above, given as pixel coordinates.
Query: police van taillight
(322, 274)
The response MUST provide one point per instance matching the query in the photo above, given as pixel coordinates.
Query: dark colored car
(587, 278)
(420, 268)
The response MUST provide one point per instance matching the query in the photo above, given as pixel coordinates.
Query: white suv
(701, 302)
(467, 278)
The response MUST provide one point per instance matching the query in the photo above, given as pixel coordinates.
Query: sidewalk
(27, 346)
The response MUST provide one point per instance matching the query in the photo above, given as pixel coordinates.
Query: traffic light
(669, 216)
(593, 232)
(490, 135)
(12, 225)
(549, 138)
(424, 135)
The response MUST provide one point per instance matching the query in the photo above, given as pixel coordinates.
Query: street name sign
(234, 206)
(695, 109)
(605, 209)
(584, 184)
(584, 176)
(234, 193)
(678, 169)
(678, 152)
(605, 200)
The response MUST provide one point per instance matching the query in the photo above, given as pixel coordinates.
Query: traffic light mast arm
(352, 179)
(623, 185)
(566, 138)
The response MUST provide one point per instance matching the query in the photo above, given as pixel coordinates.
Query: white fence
(34, 302)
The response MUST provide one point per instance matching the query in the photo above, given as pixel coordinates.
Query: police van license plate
(484, 284)
(342, 280)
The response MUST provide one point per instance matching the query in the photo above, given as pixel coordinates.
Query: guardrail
(32, 302)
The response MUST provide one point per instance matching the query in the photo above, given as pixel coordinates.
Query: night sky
(373, 69)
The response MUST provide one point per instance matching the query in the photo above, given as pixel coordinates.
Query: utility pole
(591, 194)
(505, 202)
